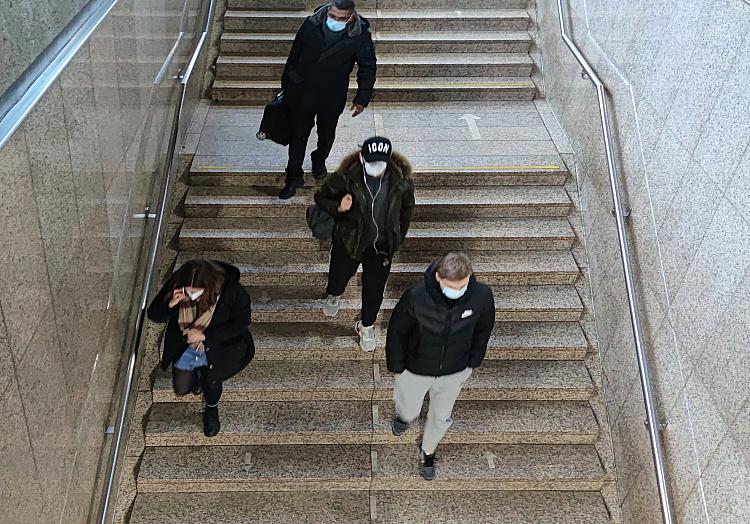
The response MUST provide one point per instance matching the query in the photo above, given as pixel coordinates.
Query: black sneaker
(290, 188)
(398, 426)
(211, 422)
(319, 171)
(427, 463)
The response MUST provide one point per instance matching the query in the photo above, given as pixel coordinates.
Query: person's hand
(194, 336)
(357, 109)
(177, 297)
(346, 203)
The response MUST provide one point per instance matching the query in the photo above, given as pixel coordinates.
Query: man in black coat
(316, 82)
(437, 335)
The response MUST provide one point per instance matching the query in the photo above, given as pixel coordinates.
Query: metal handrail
(31, 97)
(652, 422)
(161, 214)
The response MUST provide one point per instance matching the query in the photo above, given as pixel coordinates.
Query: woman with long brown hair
(207, 340)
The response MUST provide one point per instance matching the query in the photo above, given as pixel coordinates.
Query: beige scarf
(187, 320)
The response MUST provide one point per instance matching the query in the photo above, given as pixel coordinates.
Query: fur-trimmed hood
(355, 28)
(398, 165)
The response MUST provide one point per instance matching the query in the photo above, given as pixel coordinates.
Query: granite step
(279, 44)
(287, 381)
(436, 204)
(499, 269)
(401, 65)
(501, 234)
(512, 304)
(509, 341)
(393, 89)
(517, 175)
(380, 507)
(351, 422)
(387, 20)
(363, 5)
(359, 467)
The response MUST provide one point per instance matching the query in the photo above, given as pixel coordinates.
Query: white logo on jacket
(467, 313)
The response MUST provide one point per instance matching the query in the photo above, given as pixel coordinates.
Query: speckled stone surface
(490, 42)
(252, 508)
(263, 423)
(362, 380)
(390, 20)
(482, 235)
(491, 467)
(403, 89)
(463, 507)
(509, 341)
(255, 468)
(213, 171)
(498, 268)
(435, 204)
(512, 304)
(505, 423)
(266, 423)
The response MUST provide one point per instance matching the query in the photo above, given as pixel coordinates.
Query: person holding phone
(207, 339)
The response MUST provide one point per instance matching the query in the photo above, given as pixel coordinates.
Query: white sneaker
(331, 306)
(366, 337)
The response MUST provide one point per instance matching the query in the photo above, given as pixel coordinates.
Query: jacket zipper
(445, 336)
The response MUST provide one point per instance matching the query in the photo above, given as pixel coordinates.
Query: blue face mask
(335, 25)
(454, 294)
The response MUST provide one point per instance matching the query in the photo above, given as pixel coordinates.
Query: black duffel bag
(277, 122)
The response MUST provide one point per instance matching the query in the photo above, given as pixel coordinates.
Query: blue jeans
(190, 375)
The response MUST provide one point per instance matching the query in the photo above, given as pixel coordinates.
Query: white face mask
(195, 295)
(376, 169)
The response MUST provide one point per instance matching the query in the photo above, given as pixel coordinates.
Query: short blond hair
(455, 266)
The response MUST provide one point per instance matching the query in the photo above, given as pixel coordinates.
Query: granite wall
(81, 165)
(678, 77)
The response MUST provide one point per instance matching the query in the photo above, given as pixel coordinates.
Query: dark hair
(344, 5)
(202, 274)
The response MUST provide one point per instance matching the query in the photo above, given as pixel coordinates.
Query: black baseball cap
(377, 149)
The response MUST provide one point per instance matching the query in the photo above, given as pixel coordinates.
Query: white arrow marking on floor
(490, 457)
(376, 372)
(379, 127)
(374, 458)
(471, 121)
(375, 415)
(248, 461)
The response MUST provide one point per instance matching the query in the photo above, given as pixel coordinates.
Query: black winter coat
(351, 226)
(229, 344)
(316, 80)
(428, 337)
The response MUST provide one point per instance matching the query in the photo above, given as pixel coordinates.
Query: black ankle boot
(211, 422)
(290, 188)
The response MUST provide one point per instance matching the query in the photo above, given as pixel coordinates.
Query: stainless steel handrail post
(657, 450)
(161, 214)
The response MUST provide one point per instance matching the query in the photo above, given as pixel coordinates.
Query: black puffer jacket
(229, 344)
(315, 79)
(351, 226)
(430, 337)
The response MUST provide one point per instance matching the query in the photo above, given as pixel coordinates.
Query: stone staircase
(306, 427)
(429, 52)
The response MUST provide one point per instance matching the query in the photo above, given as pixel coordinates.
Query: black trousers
(303, 124)
(195, 381)
(375, 270)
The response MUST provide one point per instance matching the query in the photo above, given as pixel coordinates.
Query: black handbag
(277, 122)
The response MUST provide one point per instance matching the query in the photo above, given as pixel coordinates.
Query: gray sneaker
(366, 337)
(427, 465)
(331, 306)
